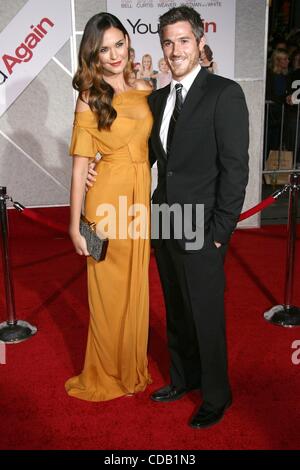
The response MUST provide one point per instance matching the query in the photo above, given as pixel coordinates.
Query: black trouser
(193, 286)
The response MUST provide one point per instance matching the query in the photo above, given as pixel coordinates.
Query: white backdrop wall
(35, 130)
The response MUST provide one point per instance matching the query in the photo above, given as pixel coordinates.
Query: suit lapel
(160, 108)
(193, 98)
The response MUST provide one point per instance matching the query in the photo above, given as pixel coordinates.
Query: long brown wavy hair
(88, 79)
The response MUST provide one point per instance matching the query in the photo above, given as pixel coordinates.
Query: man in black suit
(200, 142)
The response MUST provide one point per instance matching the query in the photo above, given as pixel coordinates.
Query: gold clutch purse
(96, 246)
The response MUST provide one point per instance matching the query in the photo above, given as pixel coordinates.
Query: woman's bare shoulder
(141, 84)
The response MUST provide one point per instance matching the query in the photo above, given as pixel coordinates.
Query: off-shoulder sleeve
(83, 142)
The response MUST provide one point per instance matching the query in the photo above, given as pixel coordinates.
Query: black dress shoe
(168, 393)
(206, 416)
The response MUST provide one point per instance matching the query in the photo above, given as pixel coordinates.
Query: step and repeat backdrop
(41, 28)
(39, 41)
(140, 18)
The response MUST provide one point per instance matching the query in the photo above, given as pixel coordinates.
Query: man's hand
(218, 244)
(91, 177)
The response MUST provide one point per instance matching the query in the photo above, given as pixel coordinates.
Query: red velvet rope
(36, 217)
(265, 203)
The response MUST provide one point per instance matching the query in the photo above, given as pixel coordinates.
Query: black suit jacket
(208, 160)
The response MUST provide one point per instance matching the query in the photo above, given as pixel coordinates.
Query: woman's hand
(79, 243)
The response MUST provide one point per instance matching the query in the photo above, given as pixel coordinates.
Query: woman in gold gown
(112, 119)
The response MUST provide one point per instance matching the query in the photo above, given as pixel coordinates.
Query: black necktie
(174, 117)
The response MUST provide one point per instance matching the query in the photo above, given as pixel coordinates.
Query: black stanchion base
(16, 332)
(283, 315)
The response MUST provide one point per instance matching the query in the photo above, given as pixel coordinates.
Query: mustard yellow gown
(116, 354)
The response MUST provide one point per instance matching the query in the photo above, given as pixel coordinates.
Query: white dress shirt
(187, 83)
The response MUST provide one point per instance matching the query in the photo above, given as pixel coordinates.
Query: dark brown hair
(88, 79)
(182, 13)
(208, 52)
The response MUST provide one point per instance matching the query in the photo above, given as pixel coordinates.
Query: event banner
(29, 42)
(140, 18)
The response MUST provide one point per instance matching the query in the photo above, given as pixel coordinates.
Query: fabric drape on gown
(116, 354)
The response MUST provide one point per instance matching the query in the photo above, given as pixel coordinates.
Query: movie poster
(140, 18)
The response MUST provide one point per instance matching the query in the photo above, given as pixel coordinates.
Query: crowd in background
(283, 93)
(162, 77)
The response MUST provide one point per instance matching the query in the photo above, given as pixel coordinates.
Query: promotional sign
(140, 18)
(29, 42)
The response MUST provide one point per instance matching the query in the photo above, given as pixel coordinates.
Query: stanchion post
(13, 330)
(8, 282)
(288, 314)
(291, 241)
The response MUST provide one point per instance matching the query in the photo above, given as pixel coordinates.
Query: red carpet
(50, 292)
